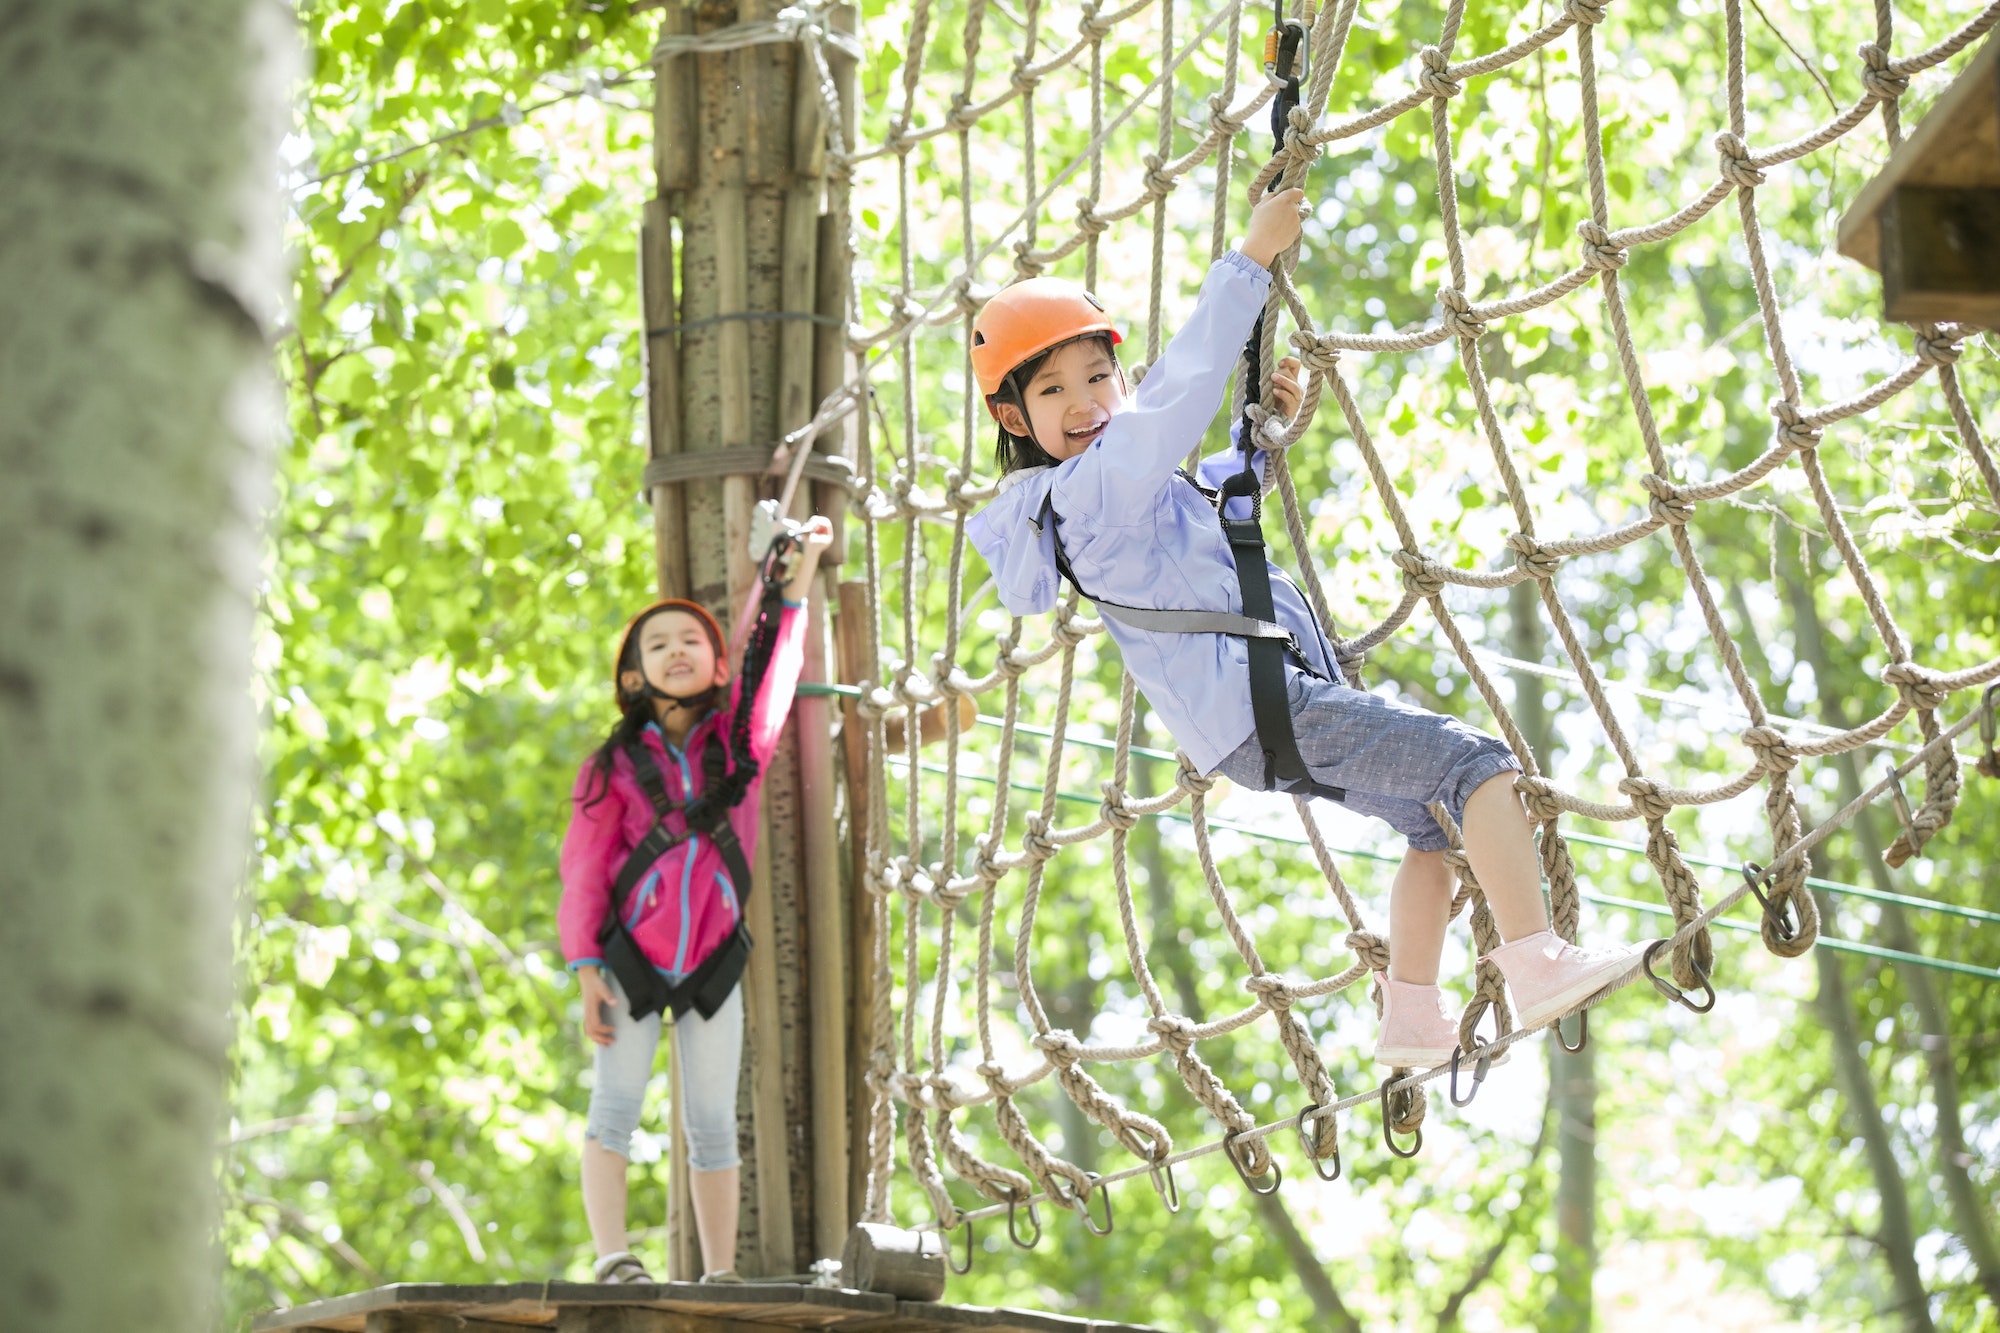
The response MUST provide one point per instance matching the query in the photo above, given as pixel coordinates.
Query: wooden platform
(665, 1307)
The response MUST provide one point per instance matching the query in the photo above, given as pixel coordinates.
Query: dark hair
(1013, 452)
(636, 710)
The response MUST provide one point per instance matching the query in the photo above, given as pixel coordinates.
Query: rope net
(1001, 160)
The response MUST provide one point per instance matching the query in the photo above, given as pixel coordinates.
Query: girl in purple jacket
(678, 709)
(1092, 492)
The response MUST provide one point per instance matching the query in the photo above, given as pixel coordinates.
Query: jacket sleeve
(781, 681)
(1117, 479)
(1023, 560)
(593, 852)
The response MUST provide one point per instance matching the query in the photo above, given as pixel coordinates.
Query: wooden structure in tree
(1929, 223)
(667, 1307)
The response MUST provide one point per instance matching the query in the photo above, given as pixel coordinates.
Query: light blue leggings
(710, 1051)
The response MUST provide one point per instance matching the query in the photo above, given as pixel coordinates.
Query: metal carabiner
(1668, 988)
(1013, 1231)
(1483, 1062)
(1989, 732)
(1287, 49)
(1229, 1150)
(961, 1272)
(1389, 1121)
(1778, 912)
(1311, 1147)
(1098, 1186)
(1161, 1170)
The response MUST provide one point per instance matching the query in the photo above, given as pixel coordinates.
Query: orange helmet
(1028, 318)
(695, 609)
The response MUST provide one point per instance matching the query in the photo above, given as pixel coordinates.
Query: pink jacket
(685, 905)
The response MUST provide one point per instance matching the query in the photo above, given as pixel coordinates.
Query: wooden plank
(1941, 255)
(411, 1321)
(762, 1040)
(1956, 144)
(826, 940)
(662, 357)
(853, 637)
(673, 110)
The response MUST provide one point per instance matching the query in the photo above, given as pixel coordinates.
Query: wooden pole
(663, 390)
(854, 633)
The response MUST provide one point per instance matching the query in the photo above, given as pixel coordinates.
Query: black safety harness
(1268, 641)
(728, 769)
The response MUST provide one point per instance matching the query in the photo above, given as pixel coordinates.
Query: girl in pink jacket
(663, 828)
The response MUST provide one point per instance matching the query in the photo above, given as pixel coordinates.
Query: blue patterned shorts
(1392, 758)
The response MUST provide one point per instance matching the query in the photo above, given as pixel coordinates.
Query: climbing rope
(921, 874)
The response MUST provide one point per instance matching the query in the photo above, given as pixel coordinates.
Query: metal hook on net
(1777, 909)
(1015, 1203)
(1482, 1062)
(1668, 988)
(1405, 1099)
(1235, 1156)
(1989, 732)
(1901, 802)
(1311, 1146)
(1096, 1186)
(1161, 1170)
(952, 1263)
(1582, 1031)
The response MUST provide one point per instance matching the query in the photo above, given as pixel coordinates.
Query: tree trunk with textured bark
(139, 272)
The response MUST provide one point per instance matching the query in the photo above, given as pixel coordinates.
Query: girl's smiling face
(1073, 395)
(677, 656)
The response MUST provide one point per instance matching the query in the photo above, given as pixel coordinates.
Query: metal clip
(1162, 1172)
(949, 1263)
(1034, 1217)
(1307, 1142)
(1483, 1063)
(1901, 802)
(1230, 1151)
(1287, 50)
(1778, 911)
(1098, 1186)
(1406, 1098)
(1989, 731)
(1582, 1032)
(1668, 988)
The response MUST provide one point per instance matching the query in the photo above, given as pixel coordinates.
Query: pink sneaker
(1549, 977)
(1416, 1031)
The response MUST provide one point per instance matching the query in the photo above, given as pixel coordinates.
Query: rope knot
(1024, 79)
(1936, 351)
(964, 116)
(995, 1075)
(1071, 630)
(1313, 354)
(1116, 813)
(1087, 220)
(1737, 168)
(1191, 781)
(1274, 990)
(1539, 560)
(912, 689)
(1540, 796)
(1420, 575)
(1370, 949)
(1035, 840)
(1061, 1046)
(1878, 74)
(1774, 753)
(1456, 861)
(1647, 798)
(986, 868)
(1219, 120)
(1175, 1033)
(1158, 183)
(1096, 24)
(1025, 263)
(1794, 431)
(1585, 12)
(1458, 320)
(1918, 686)
(1598, 251)
(1667, 503)
(1433, 77)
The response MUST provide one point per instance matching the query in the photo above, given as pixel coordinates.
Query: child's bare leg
(1502, 852)
(604, 1197)
(1419, 907)
(715, 1203)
